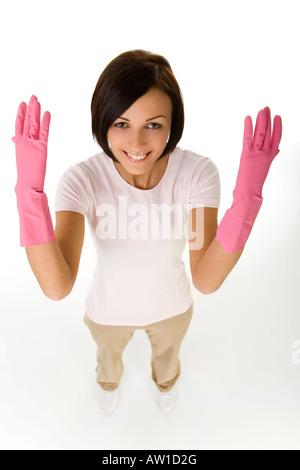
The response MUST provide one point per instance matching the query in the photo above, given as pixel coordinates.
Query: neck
(147, 180)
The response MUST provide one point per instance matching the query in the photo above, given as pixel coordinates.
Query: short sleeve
(205, 185)
(72, 191)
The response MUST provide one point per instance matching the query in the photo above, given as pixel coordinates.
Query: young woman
(143, 197)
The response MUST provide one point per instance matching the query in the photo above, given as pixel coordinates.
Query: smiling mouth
(136, 157)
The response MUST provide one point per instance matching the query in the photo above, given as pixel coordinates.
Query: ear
(168, 137)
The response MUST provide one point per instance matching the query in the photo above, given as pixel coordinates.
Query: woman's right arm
(53, 255)
(55, 264)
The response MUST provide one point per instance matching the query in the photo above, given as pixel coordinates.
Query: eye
(120, 125)
(154, 125)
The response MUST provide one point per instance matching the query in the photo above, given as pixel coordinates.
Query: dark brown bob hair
(125, 79)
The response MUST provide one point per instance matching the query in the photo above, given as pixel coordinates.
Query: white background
(240, 383)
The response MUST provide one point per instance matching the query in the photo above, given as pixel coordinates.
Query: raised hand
(259, 150)
(31, 139)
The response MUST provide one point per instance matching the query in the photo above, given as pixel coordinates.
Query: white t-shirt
(139, 235)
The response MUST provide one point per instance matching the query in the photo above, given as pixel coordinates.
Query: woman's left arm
(210, 264)
(223, 245)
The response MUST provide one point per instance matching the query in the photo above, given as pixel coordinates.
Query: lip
(136, 161)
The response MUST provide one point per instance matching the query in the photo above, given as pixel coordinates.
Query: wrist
(245, 207)
(27, 198)
(23, 187)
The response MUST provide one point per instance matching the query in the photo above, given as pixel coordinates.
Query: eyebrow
(151, 119)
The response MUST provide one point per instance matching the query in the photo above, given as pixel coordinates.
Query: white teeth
(137, 157)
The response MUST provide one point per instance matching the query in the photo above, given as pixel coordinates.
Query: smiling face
(138, 137)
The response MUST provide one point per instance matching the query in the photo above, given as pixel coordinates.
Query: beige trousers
(165, 338)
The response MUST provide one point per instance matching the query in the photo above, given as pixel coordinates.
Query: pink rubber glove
(258, 153)
(31, 140)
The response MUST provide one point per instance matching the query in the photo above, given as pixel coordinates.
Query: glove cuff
(36, 226)
(236, 225)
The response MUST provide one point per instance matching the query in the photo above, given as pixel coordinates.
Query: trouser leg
(166, 338)
(111, 342)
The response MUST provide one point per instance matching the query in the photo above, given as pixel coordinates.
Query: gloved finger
(28, 114)
(248, 132)
(19, 126)
(35, 118)
(44, 131)
(260, 129)
(277, 132)
(267, 138)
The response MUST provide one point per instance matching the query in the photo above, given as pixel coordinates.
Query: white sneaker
(167, 400)
(109, 400)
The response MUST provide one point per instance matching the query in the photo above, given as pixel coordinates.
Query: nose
(137, 141)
